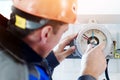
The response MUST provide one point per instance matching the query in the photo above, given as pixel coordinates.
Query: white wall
(5, 7)
(98, 7)
(69, 70)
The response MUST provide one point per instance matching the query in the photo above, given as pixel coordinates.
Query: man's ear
(45, 33)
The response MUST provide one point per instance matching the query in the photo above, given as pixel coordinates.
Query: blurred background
(106, 12)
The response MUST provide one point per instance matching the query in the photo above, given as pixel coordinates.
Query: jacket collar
(17, 48)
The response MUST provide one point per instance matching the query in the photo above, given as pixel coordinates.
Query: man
(34, 29)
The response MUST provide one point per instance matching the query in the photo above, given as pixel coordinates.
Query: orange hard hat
(61, 10)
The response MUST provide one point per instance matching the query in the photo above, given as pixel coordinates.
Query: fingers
(69, 51)
(97, 49)
(63, 54)
(67, 41)
(102, 45)
(89, 47)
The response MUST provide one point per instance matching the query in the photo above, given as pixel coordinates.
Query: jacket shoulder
(3, 21)
(11, 68)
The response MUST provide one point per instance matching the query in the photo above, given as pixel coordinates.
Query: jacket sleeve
(86, 77)
(52, 61)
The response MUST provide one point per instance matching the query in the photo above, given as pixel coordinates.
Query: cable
(106, 71)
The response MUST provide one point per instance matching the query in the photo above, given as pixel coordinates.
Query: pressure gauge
(93, 34)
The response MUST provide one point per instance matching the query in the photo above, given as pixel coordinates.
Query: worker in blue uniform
(27, 40)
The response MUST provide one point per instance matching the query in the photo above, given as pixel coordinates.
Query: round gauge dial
(92, 36)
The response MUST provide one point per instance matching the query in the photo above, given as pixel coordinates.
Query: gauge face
(92, 36)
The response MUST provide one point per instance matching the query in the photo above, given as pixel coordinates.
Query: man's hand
(93, 61)
(60, 53)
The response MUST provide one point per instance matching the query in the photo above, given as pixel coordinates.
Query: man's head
(61, 10)
(43, 21)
